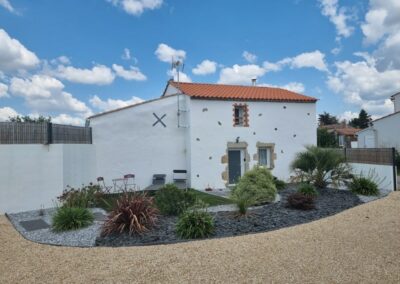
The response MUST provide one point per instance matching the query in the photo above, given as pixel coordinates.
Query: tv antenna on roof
(177, 66)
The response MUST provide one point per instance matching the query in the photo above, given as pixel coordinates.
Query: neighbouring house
(344, 134)
(214, 132)
(384, 132)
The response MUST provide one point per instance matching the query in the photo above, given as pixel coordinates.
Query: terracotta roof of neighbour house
(341, 129)
(236, 92)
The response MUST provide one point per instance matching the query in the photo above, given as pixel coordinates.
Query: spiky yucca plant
(321, 166)
(133, 213)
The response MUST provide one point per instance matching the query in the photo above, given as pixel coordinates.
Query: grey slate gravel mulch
(266, 218)
(77, 238)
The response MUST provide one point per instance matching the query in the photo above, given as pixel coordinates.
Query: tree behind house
(362, 121)
(327, 119)
(27, 118)
(326, 139)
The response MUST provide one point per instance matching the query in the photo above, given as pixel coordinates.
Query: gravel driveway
(359, 245)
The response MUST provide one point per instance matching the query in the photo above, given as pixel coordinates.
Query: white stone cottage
(384, 132)
(215, 132)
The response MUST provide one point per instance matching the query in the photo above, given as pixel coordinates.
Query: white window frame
(268, 153)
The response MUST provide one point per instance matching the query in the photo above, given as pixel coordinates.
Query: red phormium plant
(133, 213)
(300, 201)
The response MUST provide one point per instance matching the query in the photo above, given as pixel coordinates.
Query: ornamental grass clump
(308, 189)
(321, 167)
(364, 186)
(195, 223)
(171, 200)
(71, 218)
(133, 213)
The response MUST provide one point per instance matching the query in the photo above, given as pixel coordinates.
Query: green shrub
(308, 189)
(134, 213)
(300, 201)
(243, 200)
(173, 201)
(279, 184)
(321, 166)
(85, 197)
(71, 218)
(256, 185)
(364, 186)
(195, 224)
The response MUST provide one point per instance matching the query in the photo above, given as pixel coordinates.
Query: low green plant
(279, 184)
(85, 197)
(243, 200)
(171, 200)
(364, 186)
(71, 218)
(255, 186)
(194, 224)
(308, 189)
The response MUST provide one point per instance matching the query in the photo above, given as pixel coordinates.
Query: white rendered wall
(382, 174)
(397, 102)
(127, 142)
(387, 132)
(296, 127)
(32, 176)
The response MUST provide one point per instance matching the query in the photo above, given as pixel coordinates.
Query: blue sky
(70, 59)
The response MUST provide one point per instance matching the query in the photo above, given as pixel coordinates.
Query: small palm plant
(321, 166)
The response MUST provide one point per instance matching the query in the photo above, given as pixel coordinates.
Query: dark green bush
(71, 218)
(300, 201)
(364, 186)
(133, 213)
(256, 185)
(279, 184)
(195, 224)
(171, 200)
(308, 189)
(85, 197)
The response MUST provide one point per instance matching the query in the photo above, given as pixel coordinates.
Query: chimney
(253, 81)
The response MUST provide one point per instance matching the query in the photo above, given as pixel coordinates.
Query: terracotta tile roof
(347, 131)
(235, 92)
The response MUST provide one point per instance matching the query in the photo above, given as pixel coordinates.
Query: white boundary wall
(33, 175)
(383, 174)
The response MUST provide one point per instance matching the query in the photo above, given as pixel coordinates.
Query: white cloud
(296, 87)
(3, 90)
(126, 55)
(205, 67)
(362, 84)
(132, 74)
(249, 57)
(43, 93)
(61, 60)
(240, 74)
(137, 7)
(166, 53)
(6, 112)
(13, 55)
(7, 5)
(183, 77)
(110, 104)
(382, 26)
(347, 115)
(37, 86)
(64, 118)
(314, 59)
(98, 75)
(337, 16)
